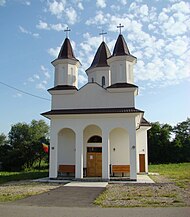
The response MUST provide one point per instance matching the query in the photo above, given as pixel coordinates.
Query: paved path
(64, 197)
(34, 211)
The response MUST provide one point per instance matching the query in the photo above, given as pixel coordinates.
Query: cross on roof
(67, 30)
(120, 26)
(102, 34)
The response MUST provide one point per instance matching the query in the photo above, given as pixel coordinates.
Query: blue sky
(156, 32)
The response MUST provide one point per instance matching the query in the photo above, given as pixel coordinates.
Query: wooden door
(91, 164)
(142, 162)
(98, 164)
(94, 164)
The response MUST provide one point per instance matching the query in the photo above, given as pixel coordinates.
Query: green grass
(179, 173)
(24, 175)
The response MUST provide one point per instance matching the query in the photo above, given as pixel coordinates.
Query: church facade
(96, 131)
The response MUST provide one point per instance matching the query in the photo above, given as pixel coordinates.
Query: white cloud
(144, 10)
(42, 25)
(57, 7)
(80, 6)
(45, 71)
(41, 86)
(2, 2)
(36, 76)
(179, 46)
(100, 19)
(45, 26)
(182, 6)
(17, 95)
(25, 31)
(123, 2)
(54, 51)
(71, 15)
(82, 79)
(101, 3)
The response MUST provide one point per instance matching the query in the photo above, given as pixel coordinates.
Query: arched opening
(92, 80)
(93, 150)
(95, 139)
(103, 81)
(66, 147)
(119, 149)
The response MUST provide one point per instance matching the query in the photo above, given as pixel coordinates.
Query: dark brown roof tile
(92, 111)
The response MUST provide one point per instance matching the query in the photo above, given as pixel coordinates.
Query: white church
(96, 130)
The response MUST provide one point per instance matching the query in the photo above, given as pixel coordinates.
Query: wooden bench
(66, 169)
(120, 169)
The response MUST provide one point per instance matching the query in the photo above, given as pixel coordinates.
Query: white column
(79, 155)
(53, 167)
(133, 151)
(105, 155)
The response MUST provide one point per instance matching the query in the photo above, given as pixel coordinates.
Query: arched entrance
(119, 149)
(66, 147)
(93, 151)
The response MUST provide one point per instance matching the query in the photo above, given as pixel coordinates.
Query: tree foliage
(25, 145)
(169, 144)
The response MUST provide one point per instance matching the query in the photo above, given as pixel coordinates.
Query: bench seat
(120, 169)
(66, 169)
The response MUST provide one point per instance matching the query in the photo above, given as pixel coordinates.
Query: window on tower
(103, 81)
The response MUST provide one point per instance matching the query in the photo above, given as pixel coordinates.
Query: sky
(32, 31)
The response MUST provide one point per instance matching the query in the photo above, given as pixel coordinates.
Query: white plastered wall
(66, 147)
(141, 140)
(119, 147)
(93, 96)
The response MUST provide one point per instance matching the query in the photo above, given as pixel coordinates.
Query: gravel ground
(163, 193)
(16, 190)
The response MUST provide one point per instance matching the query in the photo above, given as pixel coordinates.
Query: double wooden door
(94, 164)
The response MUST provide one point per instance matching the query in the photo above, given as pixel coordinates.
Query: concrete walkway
(140, 179)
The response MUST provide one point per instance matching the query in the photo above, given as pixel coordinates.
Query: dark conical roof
(120, 47)
(100, 59)
(66, 51)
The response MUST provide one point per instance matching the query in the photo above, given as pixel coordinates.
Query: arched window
(103, 81)
(95, 139)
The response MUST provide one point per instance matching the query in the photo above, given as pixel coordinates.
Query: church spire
(66, 51)
(120, 47)
(100, 59)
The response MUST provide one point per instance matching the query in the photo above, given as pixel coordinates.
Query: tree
(3, 139)
(182, 141)
(25, 145)
(164, 149)
(159, 143)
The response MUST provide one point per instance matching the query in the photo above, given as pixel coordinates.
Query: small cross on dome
(67, 30)
(102, 34)
(120, 26)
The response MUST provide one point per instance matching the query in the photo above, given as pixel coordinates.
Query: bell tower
(121, 62)
(66, 66)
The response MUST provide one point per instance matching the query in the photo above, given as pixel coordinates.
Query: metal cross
(120, 26)
(102, 34)
(67, 30)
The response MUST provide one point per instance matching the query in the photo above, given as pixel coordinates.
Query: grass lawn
(17, 176)
(178, 173)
